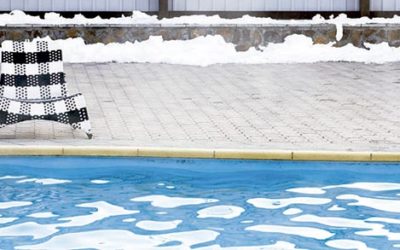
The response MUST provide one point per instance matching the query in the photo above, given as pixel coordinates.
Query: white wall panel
(385, 5)
(79, 5)
(267, 5)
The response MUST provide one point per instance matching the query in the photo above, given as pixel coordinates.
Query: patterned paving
(324, 106)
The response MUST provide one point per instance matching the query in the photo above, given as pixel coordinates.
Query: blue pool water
(128, 203)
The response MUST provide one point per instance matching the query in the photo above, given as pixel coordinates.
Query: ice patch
(373, 228)
(292, 211)
(226, 212)
(336, 221)
(348, 244)
(104, 210)
(279, 245)
(171, 202)
(121, 239)
(150, 225)
(99, 181)
(369, 186)
(4, 220)
(11, 204)
(385, 220)
(42, 215)
(307, 190)
(379, 204)
(336, 208)
(129, 220)
(280, 203)
(46, 181)
(33, 229)
(8, 177)
(307, 232)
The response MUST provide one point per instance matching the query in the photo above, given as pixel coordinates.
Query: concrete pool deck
(346, 107)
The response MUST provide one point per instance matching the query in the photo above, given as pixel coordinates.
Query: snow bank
(204, 51)
(19, 17)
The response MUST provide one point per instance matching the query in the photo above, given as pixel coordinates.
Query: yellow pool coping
(167, 152)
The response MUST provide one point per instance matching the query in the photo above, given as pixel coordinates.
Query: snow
(11, 204)
(151, 225)
(223, 211)
(307, 232)
(280, 203)
(348, 244)
(45, 181)
(209, 50)
(164, 201)
(204, 51)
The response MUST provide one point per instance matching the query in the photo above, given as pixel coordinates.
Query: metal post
(163, 9)
(364, 7)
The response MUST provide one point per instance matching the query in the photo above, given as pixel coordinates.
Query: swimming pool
(149, 203)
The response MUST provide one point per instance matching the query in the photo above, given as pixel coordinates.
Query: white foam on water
(43, 215)
(279, 245)
(11, 204)
(151, 225)
(4, 220)
(348, 244)
(164, 201)
(33, 229)
(247, 221)
(336, 208)
(170, 187)
(307, 232)
(292, 211)
(161, 184)
(222, 211)
(129, 220)
(307, 190)
(103, 210)
(121, 239)
(8, 177)
(280, 203)
(378, 204)
(44, 181)
(162, 213)
(99, 181)
(396, 245)
(369, 186)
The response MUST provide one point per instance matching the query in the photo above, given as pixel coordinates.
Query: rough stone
(243, 36)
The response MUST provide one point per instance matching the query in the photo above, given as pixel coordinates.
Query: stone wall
(243, 36)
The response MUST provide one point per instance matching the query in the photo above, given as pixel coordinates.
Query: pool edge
(167, 152)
